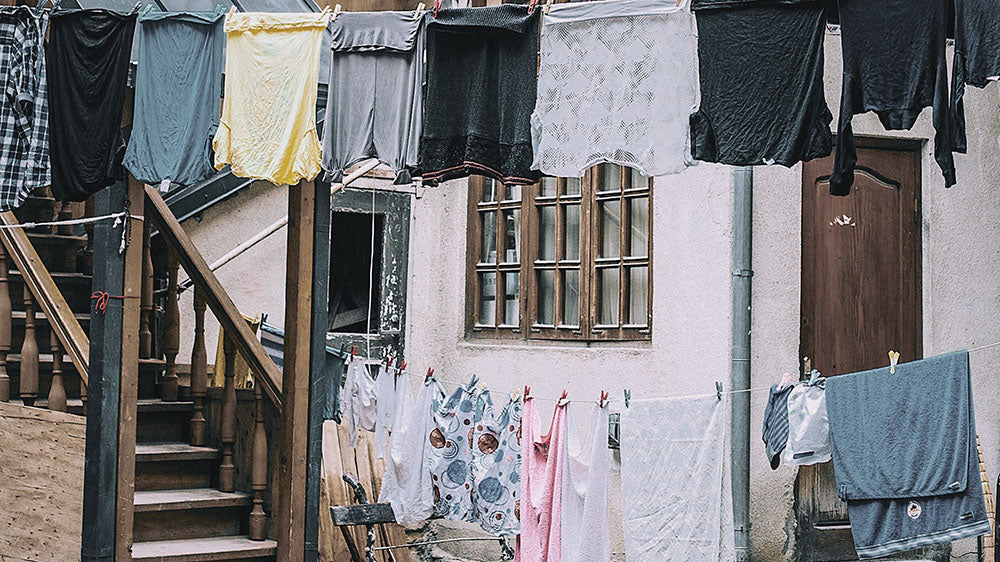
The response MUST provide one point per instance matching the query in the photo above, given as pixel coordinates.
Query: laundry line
(68, 222)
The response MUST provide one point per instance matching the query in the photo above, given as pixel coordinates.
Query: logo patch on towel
(913, 510)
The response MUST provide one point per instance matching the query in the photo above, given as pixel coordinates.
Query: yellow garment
(268, 125)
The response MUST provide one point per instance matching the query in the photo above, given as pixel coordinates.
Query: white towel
(676, 493)
(359, 399)
(585, 491)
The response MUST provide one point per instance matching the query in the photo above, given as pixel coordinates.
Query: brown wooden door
(860, 298)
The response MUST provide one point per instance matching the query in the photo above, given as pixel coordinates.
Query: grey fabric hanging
(178, 85)
(977, 56)
(374, 104)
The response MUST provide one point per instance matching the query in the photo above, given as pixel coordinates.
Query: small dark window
(352, 297)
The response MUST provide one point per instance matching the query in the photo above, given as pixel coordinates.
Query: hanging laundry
(407, 485)
(496, 467)
(894, 65)
(542, 472)
(977, 56)
(775, 432)
(178, 83)
(374, 106)
(481, 81)
(616, 84)
(389, 390)
(676, 491)
(88, 61)
(808, 427)
(586, 469)
(761, 75)
(24, 106)
(268, 125)
(452, 435)
(359, 401)
(905, 456)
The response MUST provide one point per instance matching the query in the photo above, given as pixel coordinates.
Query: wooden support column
(100, 472)
(291, 512)
(320, 378)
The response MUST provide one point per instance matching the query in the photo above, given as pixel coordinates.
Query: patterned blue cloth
(24, 116)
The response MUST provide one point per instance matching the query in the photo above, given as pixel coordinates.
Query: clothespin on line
(603, 402)
(336, 11)
(628, 397)
(718, 390)
(562, 399)
(430, 373)
(893, 360)
(232, 10)
(548, 5)
(418, 11)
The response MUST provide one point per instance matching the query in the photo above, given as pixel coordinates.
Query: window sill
(485, 342)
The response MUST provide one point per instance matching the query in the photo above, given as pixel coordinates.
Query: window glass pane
(546, 297)
(638, 180)
(607, 279)
(571, 297)
(547, 232)
(611, 178)
(487, 298)
(639, 216)
(572, 186)
(547, 187)
(610, 226)
(571, 238)
(637, 293)
(511, 289)
(489, 190)
(512, 235)
(512, 192)
(489, 242)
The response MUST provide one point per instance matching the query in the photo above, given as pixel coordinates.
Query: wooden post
(6, 312)
(29, 353)
(290, 515)
(85, 257)
(320, 378)
(227, 434)
(57, 390)
(258, 469)
(171, 331)
(145, 335)
(199, 371)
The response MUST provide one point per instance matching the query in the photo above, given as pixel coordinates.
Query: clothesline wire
(436, 541)
(371, 283)
(84, 220)
(396, 371)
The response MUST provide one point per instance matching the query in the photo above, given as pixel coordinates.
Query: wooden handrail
(218, 300)
(37, 279)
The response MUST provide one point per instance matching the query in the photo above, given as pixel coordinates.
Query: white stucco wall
(692, 227)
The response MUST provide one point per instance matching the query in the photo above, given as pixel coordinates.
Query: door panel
(860, 298)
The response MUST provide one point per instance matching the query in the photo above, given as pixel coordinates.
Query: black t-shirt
(977, 55)
(894, 65)
(761, 74)
(88, 61)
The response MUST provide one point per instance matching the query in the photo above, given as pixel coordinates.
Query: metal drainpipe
(740, 368)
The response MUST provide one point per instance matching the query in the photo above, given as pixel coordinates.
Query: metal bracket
(743, 273)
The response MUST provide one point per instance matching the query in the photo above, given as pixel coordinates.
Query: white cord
(86, 220)
(371, 285)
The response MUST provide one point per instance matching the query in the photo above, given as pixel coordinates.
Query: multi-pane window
(568, 258)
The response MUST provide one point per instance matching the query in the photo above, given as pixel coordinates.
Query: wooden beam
(217, 298)
(63, 322)
(291, 512)
(128, 389)
(364, 514)
(320, 376)
(100, 473)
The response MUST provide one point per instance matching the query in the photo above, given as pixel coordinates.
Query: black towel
(481, 84)
(88, 61)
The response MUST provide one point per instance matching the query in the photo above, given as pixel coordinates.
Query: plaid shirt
(24, 116)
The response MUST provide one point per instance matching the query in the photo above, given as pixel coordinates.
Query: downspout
(740, 368)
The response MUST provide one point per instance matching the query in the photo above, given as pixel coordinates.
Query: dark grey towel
(775, 432)
(903, 435)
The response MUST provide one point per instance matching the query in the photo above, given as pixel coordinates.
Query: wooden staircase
(186, 505)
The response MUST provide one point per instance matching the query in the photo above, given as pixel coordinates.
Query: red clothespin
(388, 362)
(562, 399)
(527, 391)
(604, 399)
(430, 373)
(437, 7)
(402, 367)
(354, 351)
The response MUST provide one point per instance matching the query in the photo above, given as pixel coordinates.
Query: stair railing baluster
(146, 304)
(258, 470)
(57, 390)
(29, 352)
(199, 370)
(6, 313)
(227, 434)
(171, 331)
(85, 258)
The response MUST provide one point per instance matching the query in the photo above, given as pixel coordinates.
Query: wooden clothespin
(603, 402)
(232, 10)
(514, 395)
(718, 390)
(893, 359)
(419, 11)
(336, 12)
(628, 397)
(548, 5)
(562, 399)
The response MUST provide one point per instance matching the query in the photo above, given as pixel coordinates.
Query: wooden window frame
(588, 330)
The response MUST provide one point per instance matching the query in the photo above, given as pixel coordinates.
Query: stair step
(73, 405)
(40, 316)
(157, 405)
(197, 550)
(153, 452)
(198, 498)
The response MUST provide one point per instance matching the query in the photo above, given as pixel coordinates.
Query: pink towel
(542, 457)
